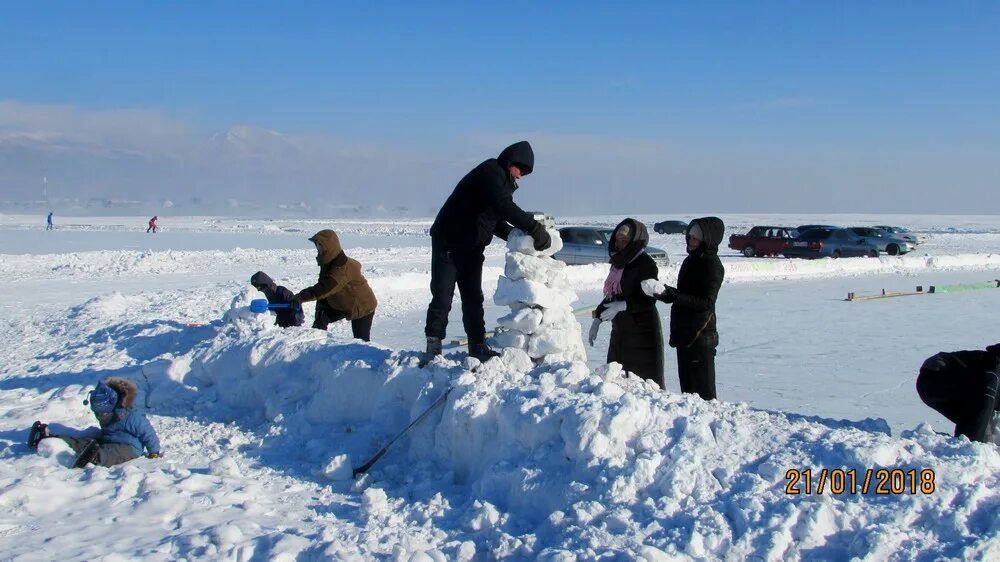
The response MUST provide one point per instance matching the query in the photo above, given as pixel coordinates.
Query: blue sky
(690, 97)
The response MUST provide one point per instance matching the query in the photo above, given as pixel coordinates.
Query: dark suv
(670, 227)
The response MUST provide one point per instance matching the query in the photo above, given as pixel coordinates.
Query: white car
(589, 244)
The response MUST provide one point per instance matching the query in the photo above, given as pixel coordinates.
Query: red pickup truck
(762, 240)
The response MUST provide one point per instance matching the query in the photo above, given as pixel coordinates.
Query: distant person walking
(152, 225)
(48, 222)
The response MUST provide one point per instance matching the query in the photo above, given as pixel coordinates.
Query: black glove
(155, 455)
(995, 350)
(502, 230)
(541, 237)
(668, 295)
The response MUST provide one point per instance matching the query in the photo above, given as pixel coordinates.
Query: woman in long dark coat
(636, 336)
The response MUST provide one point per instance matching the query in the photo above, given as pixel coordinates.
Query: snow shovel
(364, 468)
(261, 306)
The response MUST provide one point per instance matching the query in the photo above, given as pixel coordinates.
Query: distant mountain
(243, 169)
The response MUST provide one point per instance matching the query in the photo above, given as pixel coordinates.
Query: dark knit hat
(103, 399)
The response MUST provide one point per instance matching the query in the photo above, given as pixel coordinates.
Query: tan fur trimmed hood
(126, 389)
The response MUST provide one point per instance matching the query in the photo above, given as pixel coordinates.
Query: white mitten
(594, 327)
(612, 310)
(653, 287)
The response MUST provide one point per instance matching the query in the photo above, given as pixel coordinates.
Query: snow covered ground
(567, 461)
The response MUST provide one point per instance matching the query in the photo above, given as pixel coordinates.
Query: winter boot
(433, 350)
(481, 351)
(38, 432)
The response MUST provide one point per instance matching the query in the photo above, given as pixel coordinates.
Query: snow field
(551, 462)
(561, 460)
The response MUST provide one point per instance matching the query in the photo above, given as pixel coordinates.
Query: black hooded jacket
(692, 315)
(482, 203)
(285, 317)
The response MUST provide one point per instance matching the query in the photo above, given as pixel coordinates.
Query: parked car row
(823, 240)
(589, 244)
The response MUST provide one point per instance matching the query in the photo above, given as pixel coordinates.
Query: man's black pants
(967, 397)
(450, 268)
(696, 369)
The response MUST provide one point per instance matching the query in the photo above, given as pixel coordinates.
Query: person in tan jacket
(342, 292)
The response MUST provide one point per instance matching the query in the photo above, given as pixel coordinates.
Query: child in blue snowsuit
(124, 435)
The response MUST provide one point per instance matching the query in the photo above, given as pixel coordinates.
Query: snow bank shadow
(147, 341)
(67, 384)
(874, 425)
(305, 394)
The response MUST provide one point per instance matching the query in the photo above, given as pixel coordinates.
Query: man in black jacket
(692, 313)
(279, 294)
(482, 205)
(963, 386)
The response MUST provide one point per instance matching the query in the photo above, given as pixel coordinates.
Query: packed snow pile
(556, 462)
(540, 297)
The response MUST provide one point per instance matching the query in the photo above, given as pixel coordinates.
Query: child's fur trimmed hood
(126, 389)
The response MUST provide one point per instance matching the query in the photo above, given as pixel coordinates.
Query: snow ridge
(559, 463)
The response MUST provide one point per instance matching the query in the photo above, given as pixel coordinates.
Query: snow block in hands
(518, 241)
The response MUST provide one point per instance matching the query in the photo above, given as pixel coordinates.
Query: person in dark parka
(693, 329)
(963, 386)
(481, 206)
(342, 292)
(636, 335)
(279, 294)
